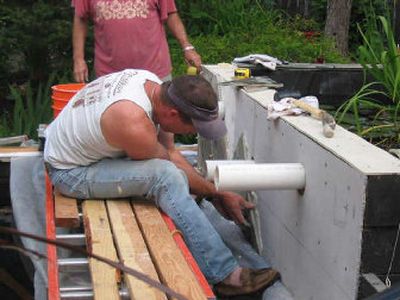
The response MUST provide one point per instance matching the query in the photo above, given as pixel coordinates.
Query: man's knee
(167, 171)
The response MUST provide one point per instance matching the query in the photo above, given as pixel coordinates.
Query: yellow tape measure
(242, 73)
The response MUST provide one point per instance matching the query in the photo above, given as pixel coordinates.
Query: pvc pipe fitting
(245, 177)
(211, 166)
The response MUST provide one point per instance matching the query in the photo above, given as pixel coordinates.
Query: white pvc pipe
(246, 177)
(211, 166)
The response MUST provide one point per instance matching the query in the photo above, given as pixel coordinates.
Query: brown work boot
(253, 281)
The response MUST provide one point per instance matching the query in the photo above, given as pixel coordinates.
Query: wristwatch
(188, 48)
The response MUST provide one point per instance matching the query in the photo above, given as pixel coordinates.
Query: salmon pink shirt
(128, 34)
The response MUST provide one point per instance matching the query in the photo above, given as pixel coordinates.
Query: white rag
(267, 61)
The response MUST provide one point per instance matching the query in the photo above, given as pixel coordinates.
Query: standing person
(128, 34)
(114, 139)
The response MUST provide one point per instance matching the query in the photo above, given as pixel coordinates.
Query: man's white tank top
(74, 138)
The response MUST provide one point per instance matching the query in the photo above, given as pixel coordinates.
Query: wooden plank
(99, 241)
(178, 238)
(66, 211)
(132, 250)
(171, 265)
(8, 149)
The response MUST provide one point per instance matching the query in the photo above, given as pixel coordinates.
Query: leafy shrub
(218, 17)
(35, 42)
(379, 56)
(35, 39)
(31, 106)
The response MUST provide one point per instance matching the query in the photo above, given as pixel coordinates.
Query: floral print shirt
(128, 34)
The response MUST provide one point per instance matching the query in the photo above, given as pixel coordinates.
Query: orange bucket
(62, 93)
(56, 111)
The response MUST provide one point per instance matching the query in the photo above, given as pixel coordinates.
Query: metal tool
(328, 122)
(260, 81)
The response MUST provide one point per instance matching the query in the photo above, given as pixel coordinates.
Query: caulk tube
(246, 177)
(211, 165)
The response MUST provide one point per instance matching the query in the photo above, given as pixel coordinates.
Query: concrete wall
(314, 239)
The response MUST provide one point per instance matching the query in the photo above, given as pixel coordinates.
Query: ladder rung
(77, 239)
(73, 264)
(83, 293)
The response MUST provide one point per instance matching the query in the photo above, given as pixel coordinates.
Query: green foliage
(3, 126)
(305, 24)
(350, 113)
(264, 31)
(363, 16)
(31, 107)
(360, 12)
(35, 39)
(218, 17)
(187, 139)
(380, 58)
(35, 44)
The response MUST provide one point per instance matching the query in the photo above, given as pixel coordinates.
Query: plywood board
(171, 265)
(100, 242)
(66, 211)
(132, 250)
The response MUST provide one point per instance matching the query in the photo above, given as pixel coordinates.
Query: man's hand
(192, 58)
(81, 72)
(79, 32)
(175, 24)
(231, 206)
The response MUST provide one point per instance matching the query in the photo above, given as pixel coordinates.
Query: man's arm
(228, 203)
(81, 72)
(177, 28)
(127, 127)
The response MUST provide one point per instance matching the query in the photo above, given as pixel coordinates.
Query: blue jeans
(159, 181)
